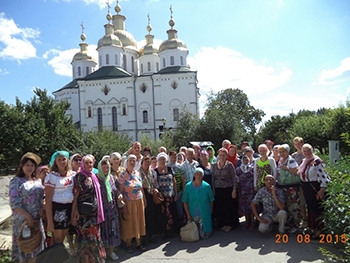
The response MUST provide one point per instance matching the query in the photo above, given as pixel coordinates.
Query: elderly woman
(211, 153)
(110, 232)
(59, 195)
(225, 190)
(233, 155)
(26, 200)
(246, 183)
(263, 166)
(289, 180)
(167, 187)
(206, 166)
(88, 213)
(314, 182)
(198, 203)
(153, 213)
(133, 219)
(116, 168)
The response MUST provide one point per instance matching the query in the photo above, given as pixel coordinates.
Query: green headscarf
(212, 158)
(105, 178)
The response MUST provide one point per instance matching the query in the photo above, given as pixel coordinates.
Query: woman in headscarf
(314, 182)
(59, 195)
(206, 166)
(110, 232)
(26, 200)
(116, 168)
(198, 203)
(133, 219)
(225, 190)
(87, 213)
(246, 187)
(211, 153)
(153, 213)
(232, 155)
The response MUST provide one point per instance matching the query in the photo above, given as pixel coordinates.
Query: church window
(163, 62)
(172, 60)
(132, 64)
(141, 68)
(145, 116)
(87, 71)
(124, 62)
(107, 59)
(99, 118)
(124, 109)
(114, 119)
(148, 66)
(79, 71)
(176, 114)
(89, 112)
(157, 66)
(100, 60)
(182, 60)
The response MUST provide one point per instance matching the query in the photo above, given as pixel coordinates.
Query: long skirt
(314, 206)
(293, 206)
(225, 208)
(153, 214)
(170, 218)
(133, 224)
(90, 245)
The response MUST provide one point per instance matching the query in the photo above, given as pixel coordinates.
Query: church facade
(131, 90)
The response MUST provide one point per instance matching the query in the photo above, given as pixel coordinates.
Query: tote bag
(189, 232)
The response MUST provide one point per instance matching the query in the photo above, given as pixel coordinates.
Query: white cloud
(156, 43)
(16, 40)
(339, 74)
(221, 68)
(3, 71)
(100, 3)
(60, 60)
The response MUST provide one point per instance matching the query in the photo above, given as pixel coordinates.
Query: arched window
(124, 62)
(99, 118)
(116, 60)
(145, 116)
(89, 112)
(148, 66)
(172, 60)
(163, 62)
(182, 60)
(79, 71)
(107, 59)
(157, 66)
(176, 114)
(141, 68)
(132, 64)
(124, 109)
(87, 71)
(114, 119)
(100, 60)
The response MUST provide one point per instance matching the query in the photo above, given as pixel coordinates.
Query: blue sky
(285, 55)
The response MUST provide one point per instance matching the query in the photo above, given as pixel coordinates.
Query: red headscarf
(233, 159)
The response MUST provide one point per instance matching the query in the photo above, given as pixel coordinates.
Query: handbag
(86, 208)
(34, 239)
(189, 232)
(157, 198)
(54, 254)
(287, 178)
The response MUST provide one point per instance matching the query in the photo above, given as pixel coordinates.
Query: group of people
(137, 197)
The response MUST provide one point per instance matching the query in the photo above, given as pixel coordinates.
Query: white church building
(130, 90)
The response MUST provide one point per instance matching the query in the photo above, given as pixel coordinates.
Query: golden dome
(172, 44)
(109, 40)
(126, 38)
(82, 54)
(148, 49)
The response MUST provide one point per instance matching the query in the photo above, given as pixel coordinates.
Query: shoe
(292, 230)
(129, 249)
(72, 252)
(141, 248)
(228, 228)
(113, 256)
(223, 228)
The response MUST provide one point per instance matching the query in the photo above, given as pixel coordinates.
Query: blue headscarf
(57, 154)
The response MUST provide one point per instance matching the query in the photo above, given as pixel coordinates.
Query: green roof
(108, 72)
(70, 85)
(175, 69)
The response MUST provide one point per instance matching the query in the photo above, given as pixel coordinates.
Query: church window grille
(172, 60)
(145, 116)
(176, 114)
(149, 66)
(114, 119)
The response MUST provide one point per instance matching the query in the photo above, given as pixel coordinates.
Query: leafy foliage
(166, 140)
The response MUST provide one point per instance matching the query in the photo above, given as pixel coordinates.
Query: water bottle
(26, 232)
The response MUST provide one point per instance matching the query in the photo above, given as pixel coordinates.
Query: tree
(229, 116)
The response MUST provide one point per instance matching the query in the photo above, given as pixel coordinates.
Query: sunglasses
(77, 160)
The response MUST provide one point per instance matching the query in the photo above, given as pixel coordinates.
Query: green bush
(337, 209)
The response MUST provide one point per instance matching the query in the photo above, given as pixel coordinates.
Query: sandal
(129, 249)
(141, 248)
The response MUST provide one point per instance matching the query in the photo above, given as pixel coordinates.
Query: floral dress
(246, 183)
(90, 244)
(110, 230)
(29, 196)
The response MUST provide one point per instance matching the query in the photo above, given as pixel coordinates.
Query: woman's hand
(30, 220)
(320, 194)
(120, 197)
(234, 194)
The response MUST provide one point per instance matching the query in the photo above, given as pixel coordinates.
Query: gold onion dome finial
(118, 8)
(82, 36)
(171, 21)
(108, 16)
(149, 27)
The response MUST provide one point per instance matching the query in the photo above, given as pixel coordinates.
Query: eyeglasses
(77, 160)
